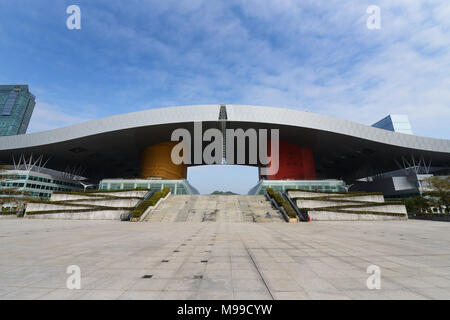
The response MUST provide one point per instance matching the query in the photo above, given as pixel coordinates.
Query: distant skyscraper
(395, 122)
(16, 107)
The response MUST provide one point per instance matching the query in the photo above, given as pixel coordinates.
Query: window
(10, 103)
(115, 186)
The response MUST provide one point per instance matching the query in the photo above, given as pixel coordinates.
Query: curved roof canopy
(111, 147)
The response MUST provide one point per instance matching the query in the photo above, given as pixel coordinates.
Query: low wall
(337, 196)
(66, 196)
(91, 215)
(306, 194)
(49, 206)
(301, 203)
(96, 195)
(367, 198)
(340, 216)
(117, 203)
(393, 208)
(135, 194)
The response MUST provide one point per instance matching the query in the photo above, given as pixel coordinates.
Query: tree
(417, 204)
(440, 191)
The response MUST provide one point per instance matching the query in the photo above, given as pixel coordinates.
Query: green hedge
(360, 205)
(60, 203)
(340, 193)
(327, 199)
(143, 206)
(282, 203)
(70, 204)
(97, 198)
(93, 192)
(338, 197)
(396, 214)
(77, 210)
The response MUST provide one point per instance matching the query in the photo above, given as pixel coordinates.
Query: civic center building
(133, 150)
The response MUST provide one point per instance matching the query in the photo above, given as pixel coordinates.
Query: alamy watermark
(73, 282)
(374, 280)
(74, 20)
(235, 147)
(374, 20)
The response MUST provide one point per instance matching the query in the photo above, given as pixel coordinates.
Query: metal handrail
(127, 216)
(302, 214)
(281, 209)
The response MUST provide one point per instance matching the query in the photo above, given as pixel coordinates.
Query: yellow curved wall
(156, 162)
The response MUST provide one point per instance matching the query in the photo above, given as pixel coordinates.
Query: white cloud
(309, 54)
(47, 116)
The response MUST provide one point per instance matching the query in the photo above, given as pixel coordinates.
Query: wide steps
(215, 208)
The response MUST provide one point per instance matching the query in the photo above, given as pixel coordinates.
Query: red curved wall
(295, 163)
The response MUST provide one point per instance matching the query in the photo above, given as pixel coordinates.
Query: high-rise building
(16, 108)
(395, 122)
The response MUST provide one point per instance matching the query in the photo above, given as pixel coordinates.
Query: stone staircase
(215, 208)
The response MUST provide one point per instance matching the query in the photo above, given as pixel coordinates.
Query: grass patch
(93, 192)
(282, 203)
(339, 193)
(395, 214)
(29, 213)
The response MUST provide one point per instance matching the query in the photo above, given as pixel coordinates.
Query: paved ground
(318, 260)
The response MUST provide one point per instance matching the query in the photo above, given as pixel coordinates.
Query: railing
(279, 208)
(301, 213)
(127, 216)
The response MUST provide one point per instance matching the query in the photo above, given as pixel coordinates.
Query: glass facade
(395, 122)
(177, 186)
(38, 185)
(309, 185)
(16, 107)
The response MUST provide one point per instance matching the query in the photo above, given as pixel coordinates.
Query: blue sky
(309, 55)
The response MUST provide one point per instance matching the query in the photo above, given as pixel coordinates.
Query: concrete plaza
(317, 260)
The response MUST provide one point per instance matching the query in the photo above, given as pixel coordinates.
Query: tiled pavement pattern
(318, 260)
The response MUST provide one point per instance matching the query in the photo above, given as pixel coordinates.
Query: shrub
(339, 210)
(143, 206)
(29, 213)
(93, 192)
(336, 193)
(282, 202)
(417, 204)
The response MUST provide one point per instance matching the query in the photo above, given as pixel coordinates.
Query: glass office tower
(16, 107)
